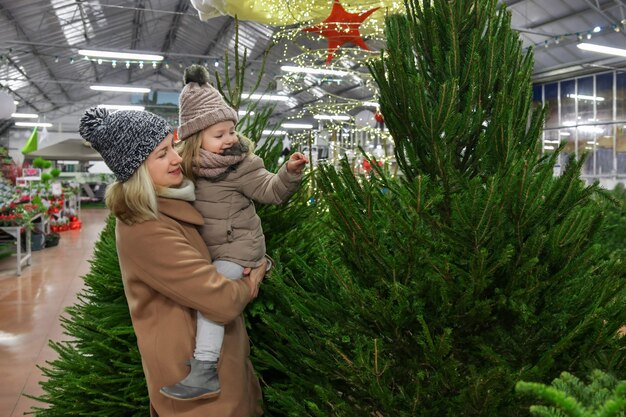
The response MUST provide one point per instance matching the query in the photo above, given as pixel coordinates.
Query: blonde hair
(189, 150)
(134, 200)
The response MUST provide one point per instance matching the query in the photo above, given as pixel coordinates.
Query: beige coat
(232, 229)
(167, 274)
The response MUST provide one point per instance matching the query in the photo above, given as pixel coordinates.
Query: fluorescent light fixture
(584, 97)
(244, 112)
(331, 117)
(564, 133)
(120, 88)
(552, 141)
(549, 147)
(297, 126)
(601, 49)
(274, 132)
(121, 107)
(25, 115)
(119, 55)
(265, 97)
(318, 71)
(32, 124)
(590, 129)
(370, 104)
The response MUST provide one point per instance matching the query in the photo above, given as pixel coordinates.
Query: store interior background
(46, 76)
(43, 70)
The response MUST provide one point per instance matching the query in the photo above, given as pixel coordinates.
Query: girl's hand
(296, 163)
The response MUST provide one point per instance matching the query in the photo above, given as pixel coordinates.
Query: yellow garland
(289, 12)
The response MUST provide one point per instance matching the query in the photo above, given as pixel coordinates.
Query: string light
(579, 36)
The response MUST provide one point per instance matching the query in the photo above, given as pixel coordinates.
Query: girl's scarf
(215, 167)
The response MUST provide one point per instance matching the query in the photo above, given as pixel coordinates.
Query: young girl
(228, 178)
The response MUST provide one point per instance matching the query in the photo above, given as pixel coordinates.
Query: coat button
(230, 232)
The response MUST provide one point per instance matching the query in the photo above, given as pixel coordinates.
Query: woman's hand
(254, 277)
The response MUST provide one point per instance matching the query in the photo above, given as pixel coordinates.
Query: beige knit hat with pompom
(200, 105)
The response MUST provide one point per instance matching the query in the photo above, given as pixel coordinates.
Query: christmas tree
(568, 396)
(98, 372)
(434, 292)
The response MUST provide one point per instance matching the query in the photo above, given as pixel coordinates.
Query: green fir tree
(98, 371)
(568, 396)
(433, 293)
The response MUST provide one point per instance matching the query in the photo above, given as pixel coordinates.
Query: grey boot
(201, 383)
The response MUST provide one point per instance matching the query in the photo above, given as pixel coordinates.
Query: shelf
(23, 259)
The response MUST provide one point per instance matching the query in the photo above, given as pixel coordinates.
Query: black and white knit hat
(124, 138)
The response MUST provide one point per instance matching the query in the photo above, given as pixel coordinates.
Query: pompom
(91, 120)
(196, 74)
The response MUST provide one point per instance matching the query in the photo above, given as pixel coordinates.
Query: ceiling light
(265, 97)
(601, 49)
(584, 97)
(120, 88)
(319, 71)
(331, 117)
(297, 126)
(274, 132)
(25, 115)
(32, 124)
(370, 104)
(119, 55)
(121, 107)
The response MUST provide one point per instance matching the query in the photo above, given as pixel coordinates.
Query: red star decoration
(341, 27)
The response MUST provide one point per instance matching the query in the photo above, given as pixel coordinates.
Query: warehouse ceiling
(41, 68)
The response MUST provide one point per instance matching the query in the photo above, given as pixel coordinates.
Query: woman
(166, 266)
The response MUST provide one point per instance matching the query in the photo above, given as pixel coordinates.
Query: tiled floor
(30, 306)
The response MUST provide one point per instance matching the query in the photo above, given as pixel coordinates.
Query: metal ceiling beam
(34, 51)
(42, 92)
(221, 34)
(137, 24)
(172, 33)
(84, 20)
(28, 103)
(514, 2)
(599, 10)
(170, 37)
(571, 14)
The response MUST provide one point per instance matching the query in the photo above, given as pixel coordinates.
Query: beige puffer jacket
(232, 229)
